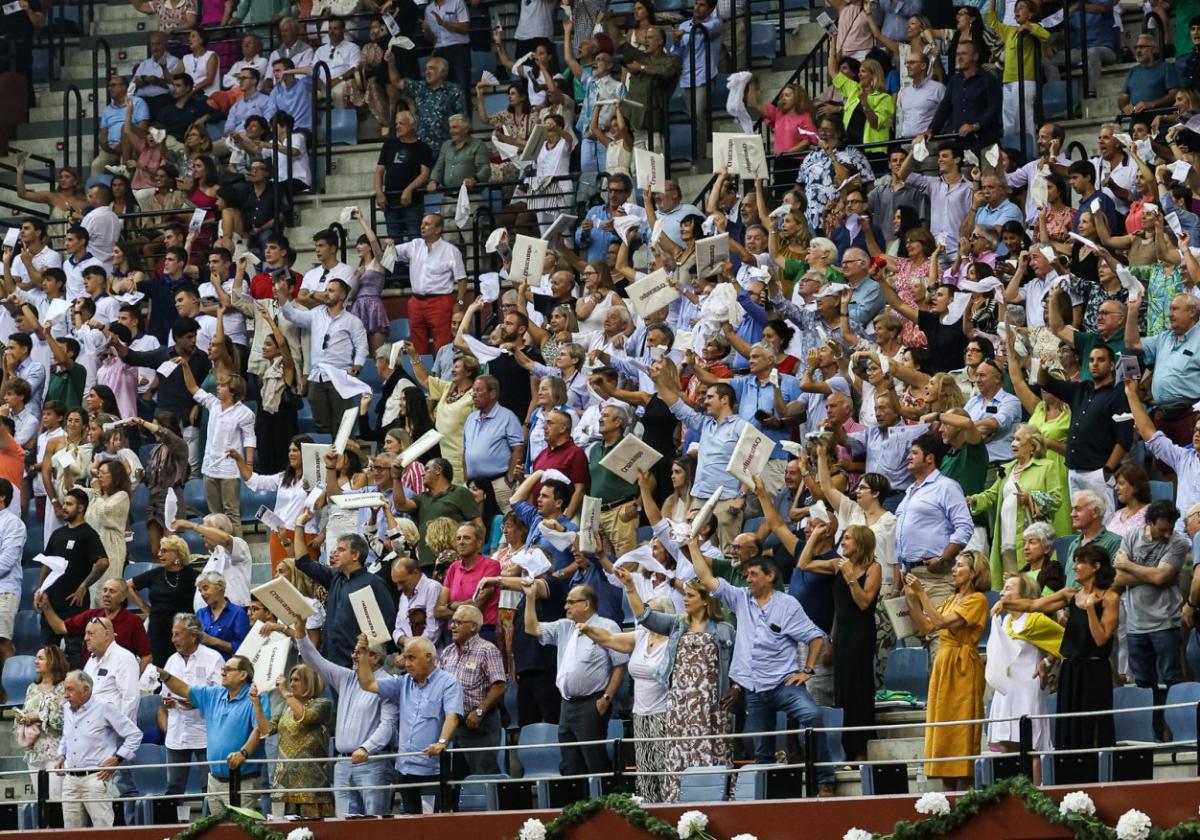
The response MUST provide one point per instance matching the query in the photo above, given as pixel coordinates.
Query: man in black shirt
(79, 544)
(971, 107)
(258, 204)
(186, 111)
(402, 169)
(517, 388)
(1095, 442)
(947, 342)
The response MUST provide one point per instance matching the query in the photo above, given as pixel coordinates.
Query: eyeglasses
(229, 669)
(458, 622)
(577, 600)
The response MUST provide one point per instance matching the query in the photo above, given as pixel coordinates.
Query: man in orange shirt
(12, 459)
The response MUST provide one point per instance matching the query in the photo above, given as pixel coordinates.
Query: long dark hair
(416, 412)
(909, 219)
(290, 476)
(1098, 557)
(977, 38)
(108, 400)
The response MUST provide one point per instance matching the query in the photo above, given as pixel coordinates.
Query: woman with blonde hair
(454, 404)
(551, 394)
(868, 108)
(598, 297)
(857, 579)
(302, 722)
(170, 589)
(1028, 490)
(439, 538)
(791, 247)
(956, 679)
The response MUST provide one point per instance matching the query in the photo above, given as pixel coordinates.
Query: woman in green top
(869, 108)
(1047, 413)
(1013, 72)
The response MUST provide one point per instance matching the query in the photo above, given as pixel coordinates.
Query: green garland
(247, 820)
(619, 803)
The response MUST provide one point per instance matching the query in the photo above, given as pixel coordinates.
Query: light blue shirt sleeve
(688, 416)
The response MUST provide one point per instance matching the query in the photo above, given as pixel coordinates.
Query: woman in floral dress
(302, 722)
(39, 721)
(912, 271)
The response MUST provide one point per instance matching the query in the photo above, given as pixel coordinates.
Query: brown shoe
(824, 791)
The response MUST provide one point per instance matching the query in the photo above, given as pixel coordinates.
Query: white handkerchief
(482, 352)
(158, 134)
(1124, 139)
(1049, 253)
(149, 681)
(494, 239)
(489, 78)
(1128, 282)
(489, 286)
(170, 507)
(388, 258)
(970, 158)
(819, 512)
(992, 155)
(791, 447)
(1095, 205)
(555, 475)
(1180, 170)
(57, 566)
(562, 540)
(403, 43)
(346, 217)
(346, 385)
(1122, 418)
(1082, 240)
(533, 561)
(167, 368)
(920, 151)
(735, 102)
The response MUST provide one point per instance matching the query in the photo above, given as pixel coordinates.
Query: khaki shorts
(9, 601)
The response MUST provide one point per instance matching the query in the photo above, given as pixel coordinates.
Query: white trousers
(90, 794)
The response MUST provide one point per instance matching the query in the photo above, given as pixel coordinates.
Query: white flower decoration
(1077, 802)
(933, 804)
(743, 837)
(1133, 825)
(692, 822)
(300, 834)
(637, 800)
(858, 834)
(532, 829)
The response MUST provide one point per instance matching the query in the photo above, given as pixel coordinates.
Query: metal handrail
(73, 91)
(321, 68)
(283, 209)
(96, 107)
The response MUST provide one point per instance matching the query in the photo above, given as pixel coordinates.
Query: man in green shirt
(1110, 330)
(966, 460)
(1087, 518)
(442, 497)
(612, 490)
(67, 378)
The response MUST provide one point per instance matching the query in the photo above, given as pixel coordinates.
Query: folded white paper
(314, 496)
(349, 418)
(561, 226)
(369, 616)
(528, 258)
(312, 460)
(705, 512)
(1082, 240)
(197, 220)
(650, 168)
(629, 457)
(11, 236)
(711, 254)
(533, 561)
(388, 258)
(167, 368)
(920, 150)
(56, 565)
(652, 293)
(589, 521)
(819, 512)
(1180, 170)
(562, 540)
(129, 299)
(284, 601)
(750, 455)
(347, 386)
(992, 155)
(419, 447)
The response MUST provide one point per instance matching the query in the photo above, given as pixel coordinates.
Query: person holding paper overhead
(719, 428)
(230, 426)
(431, 705)
(344, 574)
(227, 554)
(552, 501)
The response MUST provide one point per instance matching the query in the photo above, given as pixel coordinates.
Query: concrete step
(896, 749)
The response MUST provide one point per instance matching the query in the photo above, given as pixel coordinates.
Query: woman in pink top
(461, 585)
(791, 120)
(854, 36)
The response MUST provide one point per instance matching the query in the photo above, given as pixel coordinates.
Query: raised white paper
(651, 293)
(312, 459)
(629, 457)
(369, 617)
(528, 257)
(705, 511)
(419, 447)
(345, 428)
(347, 386)
(711, 254)
(284, 601)
(589, 521)
(900, 614)
(11, 236)
(562, 540)
(167, 368)
(357, 501)
(197, 220)
(750, 455)
(650, 168)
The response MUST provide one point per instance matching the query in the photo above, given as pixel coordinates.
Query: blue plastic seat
(194, 541)
(139, 503)
(1134, 726)
(1060, 548)
(908, 670)
(764, 39)
(194, 498)
(35, 542)
(370, 375)
(702, 784)
(147, 719)
(681, 141)
(132, 570)
(18, 675)
(150, 781)
(1161, 490)
(398, 329)
(542, 762)
(748, 783)
(29, 582)
(481, 795)
(1182, 722)
(27, 632)
(251, 500)
(644, 534)
(138, 548)
(344, 125)
(1193, 656)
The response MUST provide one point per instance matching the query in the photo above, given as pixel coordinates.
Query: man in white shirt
(1050, 139)
(153, 74)
(328, 267)
(102, 224)
(94, 735)
(227, 555)
(113, 669)
(292, 47)
(24, 268)
(919, 101)
(1116, 173)
(418, 597)
(195, 664)
(187, 305)
(1044, 263)
(251, 57)
(341, 56)
(78, 257)
(220, 270)
(436, 271)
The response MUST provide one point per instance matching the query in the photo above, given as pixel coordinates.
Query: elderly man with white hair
(95, 734)
(431, 705)
(1087, 518)
(225, 624)
(227, 554)
(186, 732)
(477, 665)
(1174, 354)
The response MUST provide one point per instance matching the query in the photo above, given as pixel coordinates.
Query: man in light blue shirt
(366, 726)
(494, 446)
(719, 428)
(995, 411)
(866, 301)
(885, 446)
(292, 93)
(252, 102)
(933, 523)
(769, 406)
(698, 52)
(112, 118)
(430, 702)
(1174, 354)
(996, 208)
(596, 231)
(765, 664)
(230, 724)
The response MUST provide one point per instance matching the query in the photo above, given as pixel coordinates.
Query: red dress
(208, 231)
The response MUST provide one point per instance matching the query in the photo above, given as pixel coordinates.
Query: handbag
(28, 733)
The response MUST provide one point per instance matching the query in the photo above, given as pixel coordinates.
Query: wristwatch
(442, 741)
(807, 670)
(479, 711)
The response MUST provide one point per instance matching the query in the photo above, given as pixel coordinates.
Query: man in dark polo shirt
(613, 491)
(947, 342)
(1110, 330)
(562, 454)
(442, 497)
(517, 387)
(128, 628)
(1095, 443)
(80, 545)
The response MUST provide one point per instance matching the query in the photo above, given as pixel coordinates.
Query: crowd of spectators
(976, 377)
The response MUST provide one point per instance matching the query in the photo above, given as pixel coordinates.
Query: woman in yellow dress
(303, 722)
(453, 405)
(956, 680)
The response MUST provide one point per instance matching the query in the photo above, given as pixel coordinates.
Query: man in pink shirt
(461, 585)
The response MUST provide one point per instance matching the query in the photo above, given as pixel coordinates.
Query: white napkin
(555, 475)
(735, 102)
(920, 151)
(346, 217)
(562, 540)
(493, 240)
(482, 352)
(402, 43)
(388, 258)
(533, 561)
(489, 286)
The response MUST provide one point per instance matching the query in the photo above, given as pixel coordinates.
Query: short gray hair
(1092, 498)
(459, 118)
(621, 412)
(1043, 532)
(213, 577)
(219, 521)
(81, 677)
(189, 620)
(472, 613)
(765, 347)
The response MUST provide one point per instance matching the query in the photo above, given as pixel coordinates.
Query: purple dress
(368, 306)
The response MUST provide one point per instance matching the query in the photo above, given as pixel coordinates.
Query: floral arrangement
(691, 826)
(1077, 803)
(934, 804)
(249, 821)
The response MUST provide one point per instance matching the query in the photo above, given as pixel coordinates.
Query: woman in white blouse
(291, 490)
(202, 64)
(551, 197)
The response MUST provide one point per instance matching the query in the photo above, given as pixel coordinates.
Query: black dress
(658, 432)
(168, 595)
(275, 432)
(853, 664)
(1085, 684)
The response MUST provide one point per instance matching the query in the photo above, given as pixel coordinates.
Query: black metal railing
(73, 93)
(98, 85)
(319, 69)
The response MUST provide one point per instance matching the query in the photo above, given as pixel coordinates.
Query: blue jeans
(593, 156)
(404, 223)
(1154, 660)
(371, 803)
(796, 702)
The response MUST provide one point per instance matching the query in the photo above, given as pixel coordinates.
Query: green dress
(307, 737)
(1055, 430)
